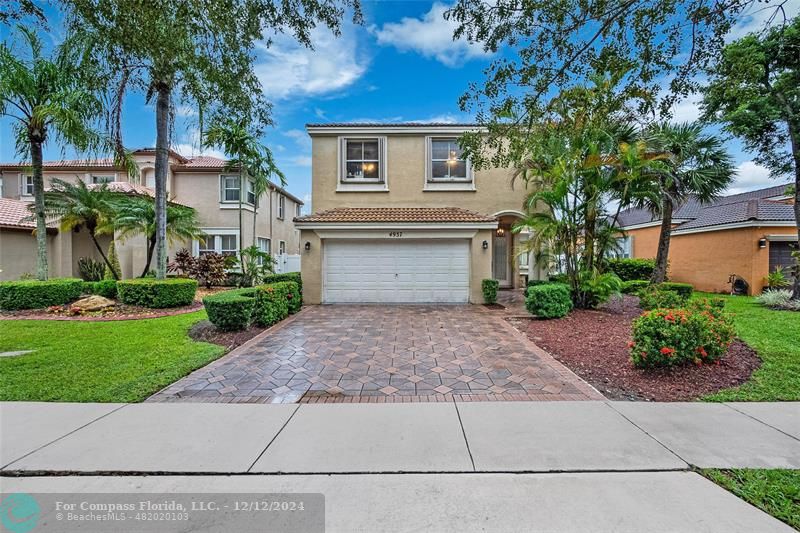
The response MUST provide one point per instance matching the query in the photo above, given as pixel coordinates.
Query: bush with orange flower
(700, 334)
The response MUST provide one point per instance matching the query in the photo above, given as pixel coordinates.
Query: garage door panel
(396, 271)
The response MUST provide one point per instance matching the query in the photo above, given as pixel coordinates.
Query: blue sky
(400, 65)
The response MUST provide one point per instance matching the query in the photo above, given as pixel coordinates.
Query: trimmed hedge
(157, 293)
(231, 310)
(632, 268)
(288, 276)
(34, 294)
(551, 300)
(634, 286)
(656, 298)
(684, 289)
(295, 298)
(534, 282)
(489, 288)
(106, 288)
(272, 302)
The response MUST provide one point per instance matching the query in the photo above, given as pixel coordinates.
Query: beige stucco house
(199, 182)
(400, 216)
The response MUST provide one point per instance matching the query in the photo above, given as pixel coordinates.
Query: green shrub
(655, 297)
(632, 269)
(157, 293)
(534, 282)
(634, 286)
(294, 298)
(106, 288)
(90, 270)
(668, 337)
(489, 288)
(684, 289)
(550, 300)
(231, 310)
(34, 294)
(113, 258)
(288, 276)
(559, 278)
(272, 303)
(596, 289)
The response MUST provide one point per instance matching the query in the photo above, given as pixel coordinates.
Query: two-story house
(401, 216)
(199, 182)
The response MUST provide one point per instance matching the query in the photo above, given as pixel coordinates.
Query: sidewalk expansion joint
(779, 430)
(634, 424)
(274, 437)
(464, 433)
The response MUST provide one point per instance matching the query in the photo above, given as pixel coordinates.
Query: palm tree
(248, 157)
(78, 205)
(261, 183)
(137, 216)
(696, 165)
(48, 98)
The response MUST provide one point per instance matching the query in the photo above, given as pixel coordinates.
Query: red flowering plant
(700, 334)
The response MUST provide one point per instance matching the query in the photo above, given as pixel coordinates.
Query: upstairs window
(447, 162)
(251, 192)
(362, 163)
(229, 188)
(103, 179)
(27, 186)
(298, 210)
(281, 206)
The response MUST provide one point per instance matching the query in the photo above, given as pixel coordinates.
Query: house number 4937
(395, 234)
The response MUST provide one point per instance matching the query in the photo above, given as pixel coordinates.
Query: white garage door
(396, 271)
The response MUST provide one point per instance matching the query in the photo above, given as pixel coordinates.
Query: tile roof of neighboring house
(105, 162)
(424, 215)
(203, 161)
(392, 125)
(695, 211)
(13, 213)
(755, 210)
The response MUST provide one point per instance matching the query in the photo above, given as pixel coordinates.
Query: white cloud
(446, 118)
(188, 145)
(751, 176)
(688, 109)
(302, 161)
(431, 36)
(761, 15)
(287, 69)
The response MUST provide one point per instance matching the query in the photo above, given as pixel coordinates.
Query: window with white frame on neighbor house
(102, 179)
(229, 188)
(362, 160)
(298, 210)
(226, 244)
(251, 192)
(264, 245)
(26, 187)
(447, 162)
(282, 247)
(281, 206)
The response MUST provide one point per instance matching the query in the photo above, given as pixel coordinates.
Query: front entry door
(501, 265)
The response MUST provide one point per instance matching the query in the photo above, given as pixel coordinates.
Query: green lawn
(123, 361)
(775, 335)
(776, 492)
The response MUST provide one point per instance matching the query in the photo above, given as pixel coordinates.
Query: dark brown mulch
(118, 312)
(494, 306)
(205, 331)
(594, 345)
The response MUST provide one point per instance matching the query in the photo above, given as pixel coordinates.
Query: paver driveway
(363, 353)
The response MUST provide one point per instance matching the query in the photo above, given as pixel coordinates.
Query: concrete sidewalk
(496, 437)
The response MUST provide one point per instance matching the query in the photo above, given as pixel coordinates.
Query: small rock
(93, 303)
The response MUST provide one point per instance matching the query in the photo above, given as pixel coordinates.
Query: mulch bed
(594, 345)
(118, 312)
(205, 331)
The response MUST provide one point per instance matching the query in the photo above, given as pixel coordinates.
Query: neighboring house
(400, 216)
(200, 182)
(746, 235)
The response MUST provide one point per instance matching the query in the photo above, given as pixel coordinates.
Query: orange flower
(667, 351)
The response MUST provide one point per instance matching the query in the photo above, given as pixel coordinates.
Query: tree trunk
(151, 246)
(38, 203)
(662, 256)
(242, 192)
(102, 254)
(794, 136)
(162, 169)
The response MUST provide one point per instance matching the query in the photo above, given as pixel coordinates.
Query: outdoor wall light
(500, 232)
(762, 242)
(485, 245)
(307, 246)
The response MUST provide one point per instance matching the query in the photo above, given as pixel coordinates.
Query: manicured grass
(775, 335)
(776, 492)
(122, 361)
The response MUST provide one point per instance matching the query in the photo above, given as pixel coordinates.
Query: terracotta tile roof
(105, 162)
(203, 161)
(13, 213)
(392, 125)
(423, 215)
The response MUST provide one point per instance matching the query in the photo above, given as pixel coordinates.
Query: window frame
(223, 189)
(250, 190)
(445, 184)
(281, 247)
(93, 178)
(215, 235)
(24, 184)
(281, 206)
(350, 184)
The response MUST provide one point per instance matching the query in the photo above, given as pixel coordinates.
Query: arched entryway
(510, 266)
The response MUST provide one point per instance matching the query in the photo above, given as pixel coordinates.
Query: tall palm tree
(696, 165)
(48, 98)
(247, 156)
(137, 216)
(78, 205)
